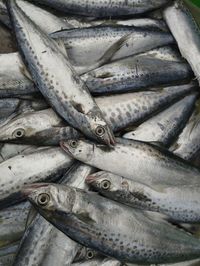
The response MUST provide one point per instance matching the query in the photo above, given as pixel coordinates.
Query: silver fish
(99, 262)
(180, 203)
(178, 18)
(75, 104)
(41, 164)
(103, 9)
(139, 161)
(4, 17)
(49, 245)
(12, 223)
(187, 145)
(86, 46)
(167, 125)
(135, 73)
(46, 127)
(129, 235)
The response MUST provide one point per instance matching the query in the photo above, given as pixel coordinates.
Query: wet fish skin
(136, 73)
(139, 161)
(12, 223)
(180, 203)
(4, 17)
(41, 164)
(58, 248)
(103, 9)
(46, 127)
(98, 262)
(188, 143)
(167, 125)
(144, 237)
(76, 106)
(177, 17)
(86, 46)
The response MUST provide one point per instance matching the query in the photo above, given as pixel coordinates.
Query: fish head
(50, 197)
(99, 129)
(105, 182)
(19, 129)
(82, 150)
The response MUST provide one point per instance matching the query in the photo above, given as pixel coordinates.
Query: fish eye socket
(100, 131)
(105, 184)
(90, 254)
(43, 199)
(73, 143)
(19, 133)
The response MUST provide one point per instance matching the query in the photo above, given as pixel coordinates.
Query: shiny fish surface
(86, 46)
(178, 17)
(129, 235)
(47, 128)
(7, 254)
(104, 8)
(51, 71)
(139, 161)
(41, 164)
(180, 203)
(165, 126)
(135, 73)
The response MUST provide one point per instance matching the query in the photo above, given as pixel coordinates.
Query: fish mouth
(29, 189)
(110, 140)
(64, 147)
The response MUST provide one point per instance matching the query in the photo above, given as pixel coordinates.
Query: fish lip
(27, 190)
(62, 145)
(110, 141)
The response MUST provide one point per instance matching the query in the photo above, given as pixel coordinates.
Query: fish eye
(90, 254)
(19, 133)
(105, 184)
(100, 131)
(73, 143)
(43, 199)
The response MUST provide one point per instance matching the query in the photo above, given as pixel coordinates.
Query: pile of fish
(99, 132)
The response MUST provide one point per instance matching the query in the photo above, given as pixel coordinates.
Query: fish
(136, 73)
(37, 165)
(45, 245)
(139, 161)
(98, 262)
(187, 145)
(86, 46)
(179, 202)
(13, 223)
(52, 72)
(178, 17)
(164, 127)
(103, 9)
(45, 127)
(129, 235)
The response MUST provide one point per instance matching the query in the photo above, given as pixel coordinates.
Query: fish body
(180, 203)
(140, 161)
(57, 80)
(135, 73)
(85, 46)
(128, 235)
(4, 17)
(8, 151)
(103, 9)
(167, 125)
(178, 17)
(7, 254)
